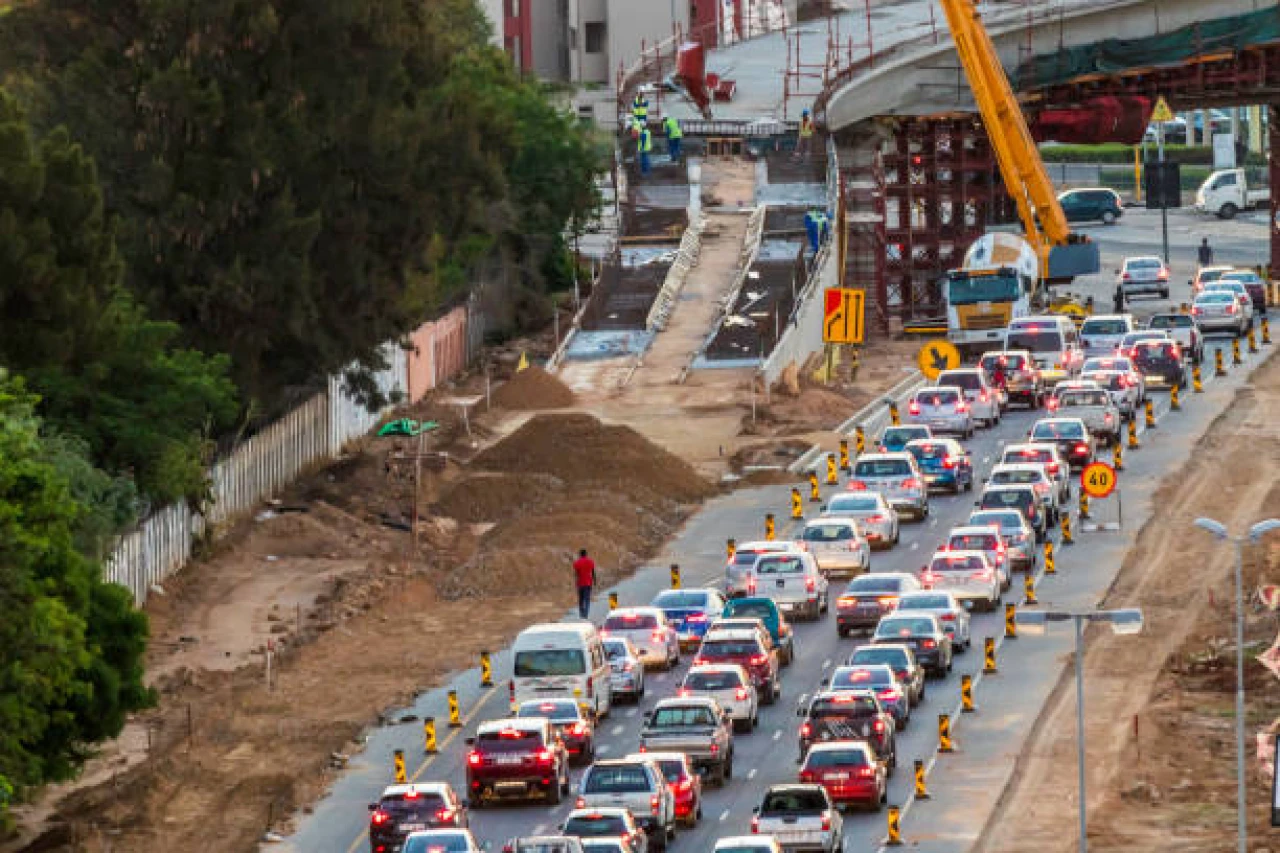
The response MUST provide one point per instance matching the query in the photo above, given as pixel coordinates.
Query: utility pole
(1164, 200)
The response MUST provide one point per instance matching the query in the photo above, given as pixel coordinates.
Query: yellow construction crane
(1063, 254)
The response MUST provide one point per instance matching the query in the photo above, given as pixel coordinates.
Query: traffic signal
(1162, 184)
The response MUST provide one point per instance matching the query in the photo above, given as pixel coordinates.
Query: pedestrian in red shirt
(584, 571)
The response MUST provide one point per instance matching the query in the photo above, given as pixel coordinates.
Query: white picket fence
(255, 470)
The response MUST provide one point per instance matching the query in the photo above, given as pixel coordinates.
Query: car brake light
(755, 824)
(654, 802)
(685, 785)
(740, 694)
(806, 776)
(826, 821)
(578, 729)
(474, 758)
(948, 617)
(806, 730)
(658, 637)
(948, 462)
(929, 644)
(580, 803)
(758, 660)
(1082, 448)
(684, 691)
(591, 687)
(879, 727)
(751, 586)
(889, 693)
(379, 817)
(699, 661)
(444, 815)
(866, 772)
(961, 408)
(876, 519)
(857, 486)
(412, 795)
(911, 483)
(1163, 274)
(810, 584)
(1231, 309)
(982, 396)
(544, 756)
(1196, 309)
(1052, 404)
(627, 666)
(913, 408)
(1124, 276)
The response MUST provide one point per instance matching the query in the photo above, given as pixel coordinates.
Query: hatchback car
(877, 519)
(838, 545)
(984, 538)
(794, 582)
(626, 670)
(1017, 371)
(1241, 293)
(849, 771)
(1219, 311)
(949, 611)
(897, 477)
(748, 650)
(878, 677)
(1091, 204)
(967, 575)
(1021, 498)
(1122, 364)
(868, 598)
(1069, 434)
(608, 822)
(1119, 387)
(944, 462)
(608, 844)
(1046, 455)
(1144, 275)
(1030, 474)
(738, 577)
(1018, 535)
(1131, 340)
(983, 400)
(1101, 333)
(649, 631)
(635, 783)
(1254, 284)
(403, 809)
(905, 665)
(843, 715)
(894, 438)
(683, 780)
(731, 686)
(1182, 328)
(924, 634)
(442, 841)
(943, 410)
(1161, 363)
(689, 611)
(570, 722)
(1205, 275)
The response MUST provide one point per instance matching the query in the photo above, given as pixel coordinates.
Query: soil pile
(492, 497)
(533, 389)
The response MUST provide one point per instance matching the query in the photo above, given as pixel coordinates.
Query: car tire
(727, 772)
(1108, 217)
(897, 536)
(1228, 211)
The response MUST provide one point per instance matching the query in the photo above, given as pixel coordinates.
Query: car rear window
(827, 532)
(972, 542)
(853, 503)
(1014, 478)
(537, 663)
(867, 677)
(1217, 296)
(761, 609)
(683, 715)
(1054, 430)
(843, 706)
(614, 649)
(1036, 341)
(595, 825)
(630, 622)
(882, 468)
(728, 648)
(1104, 327)
(1007, 497)
(608, 779)
(968, 381)
(1111, 381)
(560, 709)
(1142, 263)
(1084, 398)
(904, 626)
(785, 564)
(1156, 354)
(852, 756)
(903, 434)
(509, 740)
(956, 564)
(673, 770)
(929, 451)
(879, 654)
(793, 801)
(872, 583)
(1172, 321)
(925, 601)
(1015, 456)
(421, 807)
(1008, 362)
(1008, 521)
(437, 842)
(679, 598)
(725, 679)
(938, 397)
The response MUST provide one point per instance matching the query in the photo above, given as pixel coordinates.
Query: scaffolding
(807, 78)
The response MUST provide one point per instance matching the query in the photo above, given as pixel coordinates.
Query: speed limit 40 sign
(1098, 480)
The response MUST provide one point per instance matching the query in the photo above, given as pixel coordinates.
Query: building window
(595, 36)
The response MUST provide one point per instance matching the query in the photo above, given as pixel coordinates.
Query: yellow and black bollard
(1067, 538)
(1133, 434)
(1266, 332)
(1174, 404)
(613, 601)
(1253, 340)
(815, 493)
(1236, 360)
(989, 656)
(797, 503)
(401, 775)
(833, 472)
(730, 548)
(1029, 588)
(922, 792)
(1011, 621)
(1084, 505)
(894, 838)
(844, 456)
(675, 575)
(429, 736)
(1197, 384)
(893, 415)
(1218, 368)
(1117, 456)
(769, 530)
(486, 670)
(1150, 415)
(966, 694)
(1049, 567)
(859, 440)
(944, 733)
(455, 716)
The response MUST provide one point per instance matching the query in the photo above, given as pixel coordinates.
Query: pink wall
(439, 351)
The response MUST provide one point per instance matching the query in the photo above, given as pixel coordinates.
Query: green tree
(105, 371)
(70, 645)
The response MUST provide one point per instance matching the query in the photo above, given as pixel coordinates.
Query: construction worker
(804, 143)
(640, 108)
(675, 137)
(816, 226)
(644, 146)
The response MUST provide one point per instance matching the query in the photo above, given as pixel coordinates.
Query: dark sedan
(924, 634)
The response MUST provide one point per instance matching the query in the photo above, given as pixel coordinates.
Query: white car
(967, 575)
(1102, 333)
(838, 545)
(987, 539)
(1047, 455)
(738, 579)
(878, 519)
(1123, 364)
(748, 844)
(794, 582)
(897, 476)
(730, 685)
(952, 615)
(626, 669)
(1123, 391)
(647, 628)
(441, 841)
(984, 401)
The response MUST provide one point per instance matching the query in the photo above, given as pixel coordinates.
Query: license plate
(871, 608)
(412, 827)
(781, 583)
(508, 759)
(836, 776)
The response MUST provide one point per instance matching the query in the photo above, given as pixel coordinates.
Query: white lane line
(724, 815)
(777, 734)
(602, 749)
(631, 712)
(914, 546)
(986, 459)
(616, 730)
(826, 664)
(539, 829)
(933, 523)
(751, 774)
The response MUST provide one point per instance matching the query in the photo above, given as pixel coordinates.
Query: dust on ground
(1161, 741)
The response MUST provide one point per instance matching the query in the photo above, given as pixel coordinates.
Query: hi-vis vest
(806, 126)
(640, 108)
(672, 126)
(646, 141)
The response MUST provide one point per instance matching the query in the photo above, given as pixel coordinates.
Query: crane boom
(1063, 254)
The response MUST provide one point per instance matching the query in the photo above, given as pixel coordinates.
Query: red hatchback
(685, 783)
(850, 772)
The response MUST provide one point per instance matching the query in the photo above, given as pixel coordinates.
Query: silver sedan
(879, 520)
(953, 615)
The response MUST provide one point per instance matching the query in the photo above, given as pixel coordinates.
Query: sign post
(1099, 480)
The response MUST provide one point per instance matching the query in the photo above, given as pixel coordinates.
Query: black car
(1022, 498)
(848, 715)
(902, 658)
(924, 634)
(868, 597)
(1084, 205)
(403, 809)
(1160, 363)
(1070, 434)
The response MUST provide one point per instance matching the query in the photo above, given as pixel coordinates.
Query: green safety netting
(407, 426)
(1215, 36)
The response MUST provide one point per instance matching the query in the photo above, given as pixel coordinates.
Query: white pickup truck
(1226, 192)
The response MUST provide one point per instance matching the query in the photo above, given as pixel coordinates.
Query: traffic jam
(782, 704)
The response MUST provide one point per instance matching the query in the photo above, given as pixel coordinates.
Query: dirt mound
(492, 496)
(580, 450)
(533, 389)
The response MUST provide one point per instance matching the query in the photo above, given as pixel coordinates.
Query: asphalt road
(768, 755)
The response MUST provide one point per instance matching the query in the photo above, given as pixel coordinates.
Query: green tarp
(1215, 36)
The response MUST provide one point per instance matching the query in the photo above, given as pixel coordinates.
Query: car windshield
(1172, 321)
(904, 626)
(723, 679)
(827, 532)
(873, 583)
(615, 779)
(1054, 430)
(957, 564)
(785, 564)
(728, 648)
(680, 598)
(853, 503)
(794, 800)
(842, 757)
(557, 710)
(882, 468)
(1104, 327)
(870, 676)
(596, 824)
(537, 663)
(925, 601)
(966, 290)
(437, 842)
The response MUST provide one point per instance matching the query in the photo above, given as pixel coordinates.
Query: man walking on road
(1205, 252)
(584, 571)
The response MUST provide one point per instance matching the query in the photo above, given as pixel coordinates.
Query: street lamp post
(1124, 621)
(1256, 532)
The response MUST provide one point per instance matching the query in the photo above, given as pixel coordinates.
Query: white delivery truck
(1226, 192)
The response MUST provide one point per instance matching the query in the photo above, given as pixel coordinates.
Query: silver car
(1122, 363)
(1019, 536)
(649, 631)
(1101, 333)
(838, 546)
(1031, 474)
(879, 520)
(730, 685)
(1219, 311)
(897, 477)
(626, 670)
(967, 575)
(1144, 275)
(1243, 298)
(1123, 392)
(983, 400)
(953, 615)
(942, 410)
(986, 539)
(1046, 455)
(738, 579)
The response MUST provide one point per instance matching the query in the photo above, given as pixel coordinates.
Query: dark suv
(1022, 498)
(403, 809)
(848, 715)
(1160, 363)
(518, 757)
(746, 649)
(1084, 205)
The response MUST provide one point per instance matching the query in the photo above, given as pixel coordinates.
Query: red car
(685, 783)
(569, 721)
(850, 772)
(516, 757)
(746, 648)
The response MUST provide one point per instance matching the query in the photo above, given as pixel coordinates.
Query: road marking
(616, 730)
(986, 459)
(826, 663)
(915, 546)
(933, 523)
(539, 829)
(602, 749)
(724, 815)
(751, 774)
(631, 712)
(777, 734)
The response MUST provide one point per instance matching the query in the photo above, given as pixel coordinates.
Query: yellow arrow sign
(937, 356)
(1162, 111)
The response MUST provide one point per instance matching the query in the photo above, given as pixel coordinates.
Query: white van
(1053, 342)
(561, 659)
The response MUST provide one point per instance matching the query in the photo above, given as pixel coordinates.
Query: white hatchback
(838, 545)
(967, 575)
(647, 628)
(730, 685)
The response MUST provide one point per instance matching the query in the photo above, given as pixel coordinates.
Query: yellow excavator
(985, 293)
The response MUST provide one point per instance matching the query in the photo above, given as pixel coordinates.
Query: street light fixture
(1219, 531)
(1122, 621)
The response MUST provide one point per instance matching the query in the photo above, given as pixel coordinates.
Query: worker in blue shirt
(675, 137)
(817, 226)
(644, 145)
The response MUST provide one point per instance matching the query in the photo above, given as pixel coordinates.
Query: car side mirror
(755, 810)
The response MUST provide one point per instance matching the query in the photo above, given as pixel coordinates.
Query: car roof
(900, 456)
(839, 745)
(731, 634)
(1078, 385)
(762, 841)
(1036, 445)
(1008, 487)
(1018, 466)
(657, 756)
(893, 575)
(608, 811)
(928, 442)
(1058, 421)
(717, 667)
(906, 597)
(831, 519)
(1143, 258)
(895, 647)
(764, 545)
(934, 389)
(970, 370)
(965, 552)
(844, 692)
(638, 610)
(1128, 317)
(679, 701)
(415, 787)
(973, 530)
(528, 724)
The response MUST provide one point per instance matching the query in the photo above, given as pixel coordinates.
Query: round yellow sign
(937, 356)
(1098, 480)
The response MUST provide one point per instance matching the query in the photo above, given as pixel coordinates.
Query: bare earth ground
(327, 573)
(1172, 787)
